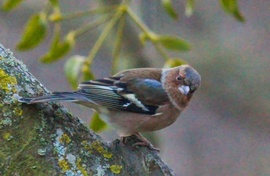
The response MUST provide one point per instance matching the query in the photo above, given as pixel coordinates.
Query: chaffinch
(135, 100)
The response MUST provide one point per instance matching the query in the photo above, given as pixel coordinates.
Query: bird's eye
(179, 78)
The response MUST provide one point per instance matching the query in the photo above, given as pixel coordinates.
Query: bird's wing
(136, 95)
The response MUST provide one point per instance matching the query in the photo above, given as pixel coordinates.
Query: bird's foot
(143, 142)
(123, 140)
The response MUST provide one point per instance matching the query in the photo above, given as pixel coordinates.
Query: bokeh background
(225, 130)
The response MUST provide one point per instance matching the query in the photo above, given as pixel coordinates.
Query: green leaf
(231, 7)
(54, 3)
(87, 74)
(189, 7)
(34, 32)
(72, 69)
(59, 49)
(167, 4)
(174, 62)
(96, 124)
(11, 4)
(173, 43)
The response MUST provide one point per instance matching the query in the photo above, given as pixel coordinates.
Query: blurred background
(225, 130)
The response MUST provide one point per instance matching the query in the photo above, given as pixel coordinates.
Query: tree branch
(45, 139)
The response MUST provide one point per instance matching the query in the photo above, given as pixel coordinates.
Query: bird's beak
(184, 89)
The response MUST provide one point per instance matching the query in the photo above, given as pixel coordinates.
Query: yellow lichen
(65, 139)
(63, 164)
(7, 82)
(107, 155)
(97, 146)
(7, 136)
(18, 111)
(80, 167)
(86, 146)
(116, 169)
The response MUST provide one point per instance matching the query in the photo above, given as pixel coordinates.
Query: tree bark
(45, 139)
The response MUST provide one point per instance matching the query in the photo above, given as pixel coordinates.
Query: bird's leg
(123, 140)
(144, 142)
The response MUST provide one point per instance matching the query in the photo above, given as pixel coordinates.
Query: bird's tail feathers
(54, 97)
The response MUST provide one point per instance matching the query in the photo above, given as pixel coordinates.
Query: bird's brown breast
(131, 123)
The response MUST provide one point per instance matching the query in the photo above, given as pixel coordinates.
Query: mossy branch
(45, 139)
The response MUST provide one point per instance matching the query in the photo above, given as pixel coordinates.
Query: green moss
(116, 169)
(22, 150)
(22, 146)
(28, 165)
(7, 82)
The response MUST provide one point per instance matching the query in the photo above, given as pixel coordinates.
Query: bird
(134, 100)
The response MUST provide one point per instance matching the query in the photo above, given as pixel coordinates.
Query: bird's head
(187, 79)
(181, 82)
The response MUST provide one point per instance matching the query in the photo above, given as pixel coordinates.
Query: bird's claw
(143, 142)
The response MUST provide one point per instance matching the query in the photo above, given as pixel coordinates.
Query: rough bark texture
(46, 139)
